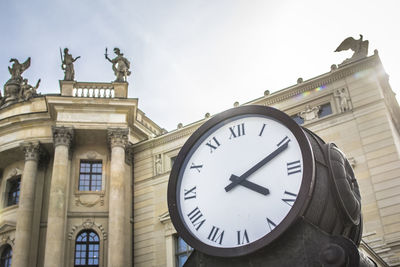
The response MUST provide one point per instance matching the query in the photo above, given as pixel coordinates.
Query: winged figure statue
(17, 89)
(360, 47)
(17, 68)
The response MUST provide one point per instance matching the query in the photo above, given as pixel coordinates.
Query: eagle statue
(359, 47)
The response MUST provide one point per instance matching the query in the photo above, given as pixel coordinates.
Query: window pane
(298, 119)
(183, 251)
(181, 245)
(173, 161)
(6, 257)
(325, 110)
(182, 259)
(87, 249)
(90, 176)
(13, 186)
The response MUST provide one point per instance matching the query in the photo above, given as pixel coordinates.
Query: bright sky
(190, 57)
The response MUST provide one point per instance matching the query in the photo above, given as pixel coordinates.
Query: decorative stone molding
(80, 200)
(32, 150)
(6, 227)
(62, 136)
(117, 137)
(7, 239)
(165, 219)
(91, 155)
(129, 154)
(87, 224)
(13, 172)
(7, 232)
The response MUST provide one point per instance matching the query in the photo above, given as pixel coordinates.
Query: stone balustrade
(94, 89)
(94, 92)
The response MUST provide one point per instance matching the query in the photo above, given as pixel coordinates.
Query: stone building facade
(86, 172)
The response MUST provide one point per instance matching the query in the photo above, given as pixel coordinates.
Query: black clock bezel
(296, 211)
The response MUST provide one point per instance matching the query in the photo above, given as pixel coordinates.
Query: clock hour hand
(256, 167)
(252, 186)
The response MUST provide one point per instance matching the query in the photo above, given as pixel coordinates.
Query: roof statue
(67, 65)
(359, 47)
(17, 68)
(120, 65)
(17, 88)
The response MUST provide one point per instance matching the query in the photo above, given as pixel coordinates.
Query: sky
(190, 57)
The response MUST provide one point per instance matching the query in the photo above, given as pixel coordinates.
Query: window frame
(87, 250)
(179, 253)
(91, 174)
(6, 260)
(13, 183)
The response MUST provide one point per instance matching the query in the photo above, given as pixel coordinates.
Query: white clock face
(239, 181)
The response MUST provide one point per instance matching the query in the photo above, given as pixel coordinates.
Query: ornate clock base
(303, 245)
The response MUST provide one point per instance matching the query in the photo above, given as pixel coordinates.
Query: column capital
(32, 150)
(62, 136)
(117, 137)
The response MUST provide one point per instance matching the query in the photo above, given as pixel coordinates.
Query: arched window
(87, 248)
(6, 255)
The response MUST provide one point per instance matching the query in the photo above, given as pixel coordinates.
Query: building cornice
(168, 137)
(324, 79)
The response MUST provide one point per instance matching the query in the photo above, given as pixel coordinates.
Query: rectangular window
(325, 110)
(13, 186)
(183, 251)
(90, 175)
(173, 159)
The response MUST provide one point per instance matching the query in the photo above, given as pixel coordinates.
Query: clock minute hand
(256, 167)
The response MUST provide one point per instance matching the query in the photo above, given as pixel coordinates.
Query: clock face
(240, 181)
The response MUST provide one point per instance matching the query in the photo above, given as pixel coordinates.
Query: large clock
(240, 181)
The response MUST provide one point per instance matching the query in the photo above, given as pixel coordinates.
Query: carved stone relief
(158, 164)
(89, 200)
(342, 100)
(92, 155)
(87, 224)
(7, 239)
(310, 113)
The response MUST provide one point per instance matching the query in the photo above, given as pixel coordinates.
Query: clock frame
(297, 210)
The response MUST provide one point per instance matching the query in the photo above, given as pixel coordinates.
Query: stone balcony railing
(94, 89)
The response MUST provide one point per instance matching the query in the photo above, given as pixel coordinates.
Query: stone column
(118, 138)
(23, 233)
(57, 214)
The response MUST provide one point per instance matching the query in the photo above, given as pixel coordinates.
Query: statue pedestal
(303, 245)
(67, 87)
